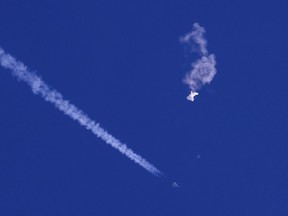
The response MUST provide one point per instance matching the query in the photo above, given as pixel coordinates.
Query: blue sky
(121, 62)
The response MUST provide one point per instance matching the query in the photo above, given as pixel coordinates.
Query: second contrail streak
(39, 87)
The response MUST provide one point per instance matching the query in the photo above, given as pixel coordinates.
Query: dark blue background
(121, 62)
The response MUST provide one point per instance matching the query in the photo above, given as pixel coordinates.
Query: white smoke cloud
(196, 36)
(202, 72)
(39, 87)
(204, 69)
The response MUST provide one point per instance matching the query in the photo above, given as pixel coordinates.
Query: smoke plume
(202, 70)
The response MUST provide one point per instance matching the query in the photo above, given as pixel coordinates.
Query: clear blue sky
(121, 62)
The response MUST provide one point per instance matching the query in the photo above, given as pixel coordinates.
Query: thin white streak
(39, 87)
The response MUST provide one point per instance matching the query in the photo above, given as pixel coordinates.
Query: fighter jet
(192, 95)
(175, 185)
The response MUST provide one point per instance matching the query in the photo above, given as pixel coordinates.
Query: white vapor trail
(204, 69)
(39, 87)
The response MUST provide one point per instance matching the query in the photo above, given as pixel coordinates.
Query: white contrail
(204, 69)
(39, 87)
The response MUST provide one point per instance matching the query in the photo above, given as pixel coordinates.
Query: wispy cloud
(39, 87)
(202, 70)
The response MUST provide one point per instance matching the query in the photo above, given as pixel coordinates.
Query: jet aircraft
(175, 185)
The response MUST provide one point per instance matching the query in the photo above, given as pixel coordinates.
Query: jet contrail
(204, 69)
(39, 87)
